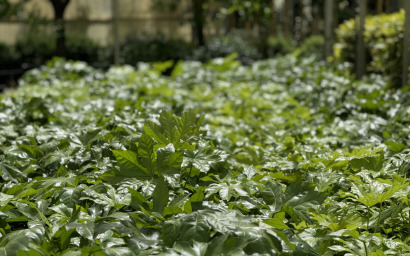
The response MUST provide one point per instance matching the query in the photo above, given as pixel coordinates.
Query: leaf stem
(405, 221)
(378, 218)
(368, 213)
(365, 248)
(189, 174)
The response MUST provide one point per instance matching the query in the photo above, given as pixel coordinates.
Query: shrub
(312, 46)
(35, 48)
(383, 41)
(222, 46)
(279, 45)
(7, 56)
(80, 47)
(148, 48)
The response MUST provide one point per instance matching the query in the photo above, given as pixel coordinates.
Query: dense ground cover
(285, 156)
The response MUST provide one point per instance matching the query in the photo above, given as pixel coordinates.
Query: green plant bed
(281, 157)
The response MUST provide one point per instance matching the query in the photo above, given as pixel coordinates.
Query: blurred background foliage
(253, 29)
(383, 38)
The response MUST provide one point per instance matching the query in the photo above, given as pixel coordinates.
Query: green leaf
(119, 251)
(160, 196)
(32, 150)
(184, 248)
(192, 227)
(93, 251)
(172, 210)
(271, 193)
(249, 172)
(286, 177)
(63, 236)
(20, 240)
(154, 131)
(277, 221)
(168, 125)
(169, 161)
(146, 152)
(136, 196)
(85, 230)
(204, 157)
(129, 167)
(216, 246)
(87, 137)
(188, 126)
(11, 173)
(370, 200)
(5, 199)
(31, 252)
(71, 196)
(395, 146)
(198, 196)
(180, 200)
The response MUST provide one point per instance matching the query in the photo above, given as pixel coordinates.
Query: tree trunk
(114, 5)
(388, 5)
(406, 44)
(285, 19)
(360, 47)
(329, 27)
(314, 22)
(198, 22)
(290, 17)
(59, 7)
(272, 21)
(263, 39)
(306, 18)
(379, 6)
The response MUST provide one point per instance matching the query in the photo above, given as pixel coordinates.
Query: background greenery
(383, 41)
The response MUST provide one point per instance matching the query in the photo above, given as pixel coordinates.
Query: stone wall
(94, 19)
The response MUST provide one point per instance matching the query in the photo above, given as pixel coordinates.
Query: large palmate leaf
(168, 125)
(377, 192)
(169, 161)
(146, 152)
(160, 196)
(188, 125)
(191, 228)
(297, 198)
(235, 234)
(21, 240)
(129, 167)
(156, 132)
(10, 172)
(203, 157)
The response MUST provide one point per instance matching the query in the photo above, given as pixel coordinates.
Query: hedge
(383, 43)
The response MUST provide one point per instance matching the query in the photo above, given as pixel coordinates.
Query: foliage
(148, 48)
(35, 48)
(223, 46)
(383, 38)
(9, 8)
(279, 45)
(7, 56)
(259, 11)
(313, 45)
(79, 47)
(291, 158)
